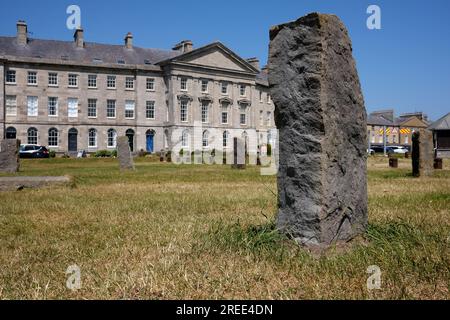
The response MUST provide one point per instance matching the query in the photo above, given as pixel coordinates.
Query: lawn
(207, 232)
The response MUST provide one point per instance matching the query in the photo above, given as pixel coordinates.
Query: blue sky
(405, 65)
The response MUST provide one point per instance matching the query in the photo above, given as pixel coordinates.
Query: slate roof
(375, 120)
(105, 53)
(441, 124)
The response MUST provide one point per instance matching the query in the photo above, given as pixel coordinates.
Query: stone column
(320, 114)
(422, 153)
(9, 155)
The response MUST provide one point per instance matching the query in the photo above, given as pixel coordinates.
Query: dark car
(33, 151)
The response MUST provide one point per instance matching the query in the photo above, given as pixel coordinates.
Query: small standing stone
(238, 154)
(393, 162)
(9, 155)
(124, 154)
(321, 118)
(422, 153)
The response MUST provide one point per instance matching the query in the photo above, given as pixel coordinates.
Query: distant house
(398, 131)
(441, 135)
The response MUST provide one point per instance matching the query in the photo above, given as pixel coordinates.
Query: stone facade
(190, 79)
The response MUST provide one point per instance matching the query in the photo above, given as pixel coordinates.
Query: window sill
(52, 116)
(150, 90)
(32, 84)
(128, 89)
(70, 87)
(150, 119)
(92, 117)
(111, 88)
(111, 118)
(92, 88)
(11, 83)
(53, 86)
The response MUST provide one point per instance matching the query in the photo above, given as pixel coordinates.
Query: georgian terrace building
(77, 95)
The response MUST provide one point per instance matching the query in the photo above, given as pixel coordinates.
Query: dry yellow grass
(206, 232)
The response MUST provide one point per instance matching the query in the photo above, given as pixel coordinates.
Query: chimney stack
(129, 41)
(254, 62)
(79, 38)
(184, 46)
(22, 32)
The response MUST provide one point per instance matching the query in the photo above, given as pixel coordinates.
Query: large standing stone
(9, 155)
(238, 154)
(422, 153)
(124, 154)
(320, 114)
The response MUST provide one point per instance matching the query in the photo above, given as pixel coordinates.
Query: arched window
(32, 136)
(226, 136)
(112, 138)
(53, 137)
(185, 138)
(92, 138)
(11, 133)
(205, 139)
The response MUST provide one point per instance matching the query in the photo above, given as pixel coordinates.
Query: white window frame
(32, 109)
(204, 86)
(51, 138)
(52, 79)
(185, 139)
(150, 110)
(92, 78)
(269, 98)
(55, 106)
(92, 105)
(205, 139)
(130, 107)
(9, 74)
(150, 84)
(205, 112)
(72, 107)
(110, 80)
(32, 78)
(95, 138)
(242, 90)
(113, 138)
(183, 84)
(109, 103)
(225, 138)
(70, 80)
(29, 141)
(184, 106)
(11, 105)
(224, 85)
(129, 83)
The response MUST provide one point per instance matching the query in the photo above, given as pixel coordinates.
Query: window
(269, 99)
(261, 117)
(224, 114)
(242, 89)
(73, 80)
(52, 137)
(185, 138)
(205, 109)
(32, 78)
(111, 82)
(92, 108)
(11, 105)
(112, 138)
(32, 136)
(129, 83)
(184, 84)
(32, 106)
(11, 76)
(11, 133)
(52, 106)
(92, 143)
(183, 111)
(111, 108)
(150, 110)
(269, 118)
(72, 107)
(260, 96)
(243, 115)
(52, 79)
(92, 81)
(205, 139)
(224, 88)
(225, 137)
(150, 84)
(129, 109)
(204, 86)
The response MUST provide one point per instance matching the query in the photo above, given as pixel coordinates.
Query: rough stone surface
(320, 114)
(422, 153)
(238, 154)
(124, 154)
(19, 183)
(9, 155)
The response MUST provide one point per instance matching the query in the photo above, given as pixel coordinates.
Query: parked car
(33, 151)
(397, 149)
(370, 151)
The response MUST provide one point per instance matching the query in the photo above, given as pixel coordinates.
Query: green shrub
(52, 153)
(114, 154)
(102, 154)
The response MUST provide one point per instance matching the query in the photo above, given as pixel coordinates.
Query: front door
(149, 142)
(73, 135)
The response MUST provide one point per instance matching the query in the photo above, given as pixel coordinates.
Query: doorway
(130, 135)
(73, 140)
(150, 135)
(11, 133)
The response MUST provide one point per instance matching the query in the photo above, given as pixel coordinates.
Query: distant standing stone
(321, 118)
(9, 155)
(238, 154)
(422, 153)
(124, 154)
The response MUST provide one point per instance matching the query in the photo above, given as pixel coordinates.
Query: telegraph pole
(384, 140)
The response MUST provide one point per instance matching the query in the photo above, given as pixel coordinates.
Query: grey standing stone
(422, 153)
(320, 114)
(9, 155)
(238, 154)
(124, 154)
